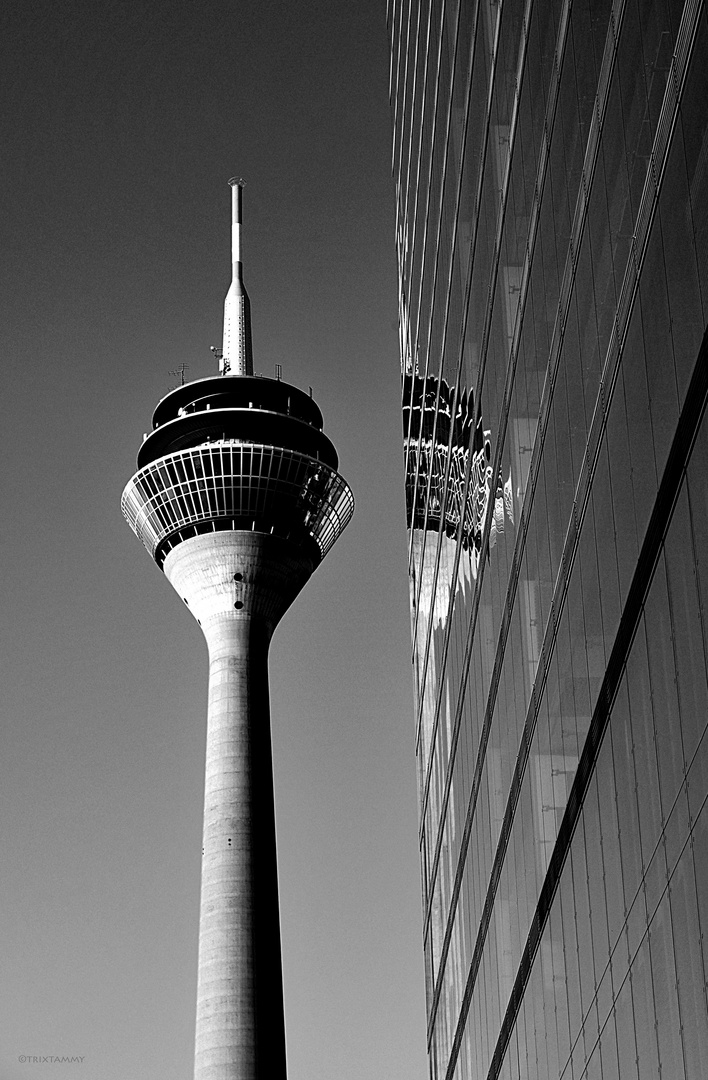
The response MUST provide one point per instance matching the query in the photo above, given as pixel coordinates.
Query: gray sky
(122, 122)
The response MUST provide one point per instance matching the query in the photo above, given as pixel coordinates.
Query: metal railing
(274, 488)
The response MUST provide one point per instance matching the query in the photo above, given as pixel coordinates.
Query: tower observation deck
(238, 499)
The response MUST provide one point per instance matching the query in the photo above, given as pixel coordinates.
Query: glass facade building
(550, 159)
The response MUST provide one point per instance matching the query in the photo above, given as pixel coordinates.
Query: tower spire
(237, 353)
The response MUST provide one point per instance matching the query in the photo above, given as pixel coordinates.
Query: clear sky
(122, 121)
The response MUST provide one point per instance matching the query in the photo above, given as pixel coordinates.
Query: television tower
(238, 499)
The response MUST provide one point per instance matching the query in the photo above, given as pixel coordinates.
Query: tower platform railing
(271, 487)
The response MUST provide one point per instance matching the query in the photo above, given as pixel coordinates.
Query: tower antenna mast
(237, 353)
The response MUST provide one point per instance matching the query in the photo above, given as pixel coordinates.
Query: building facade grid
(551, 171)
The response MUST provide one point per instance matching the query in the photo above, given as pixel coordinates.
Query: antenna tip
(236, 181)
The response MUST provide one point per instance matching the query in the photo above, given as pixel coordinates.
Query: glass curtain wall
(550, 161)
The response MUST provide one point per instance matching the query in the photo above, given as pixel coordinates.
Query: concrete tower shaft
(238, 585)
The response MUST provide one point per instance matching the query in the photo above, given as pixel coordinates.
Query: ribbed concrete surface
(240, 1031)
